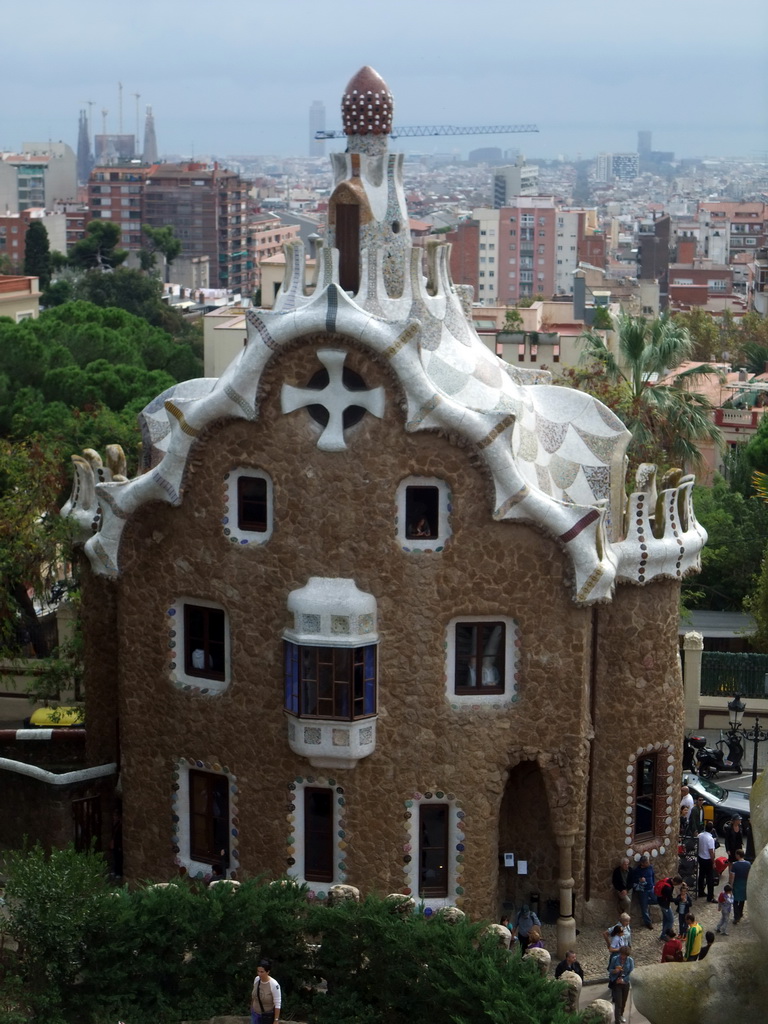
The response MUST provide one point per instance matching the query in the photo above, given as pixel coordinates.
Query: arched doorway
(525, 830)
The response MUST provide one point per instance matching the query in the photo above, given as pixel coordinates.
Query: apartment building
(268, 234)
(40, 175)
(727, 228)
(695, 283)
(517, 179)
(529, 247)
(117, 194)
(206, 207)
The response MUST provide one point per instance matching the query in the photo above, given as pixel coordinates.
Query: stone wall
(334, 516)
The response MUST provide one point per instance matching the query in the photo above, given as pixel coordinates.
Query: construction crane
(442, 129)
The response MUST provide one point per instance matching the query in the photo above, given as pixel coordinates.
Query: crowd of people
(683, 937)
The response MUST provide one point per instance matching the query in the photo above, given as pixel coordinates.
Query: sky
(239, 79)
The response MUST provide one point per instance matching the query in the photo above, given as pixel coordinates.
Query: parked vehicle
(733, 739)
(726, 802)
(707, 761)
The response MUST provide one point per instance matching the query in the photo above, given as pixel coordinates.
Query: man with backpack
(664, 890)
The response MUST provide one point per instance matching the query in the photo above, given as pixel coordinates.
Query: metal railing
(724, 673)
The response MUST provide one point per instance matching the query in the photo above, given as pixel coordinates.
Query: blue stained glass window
(330, 682)
(292, 678)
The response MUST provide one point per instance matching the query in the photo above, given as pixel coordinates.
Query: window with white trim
(199, 645)
(434, 850)
(248, 514)
(204, 807)
(423, 513)
(316, 850)
(481, 659)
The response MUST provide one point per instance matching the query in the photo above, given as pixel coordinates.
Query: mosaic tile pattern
(666, 812)
(563, 455)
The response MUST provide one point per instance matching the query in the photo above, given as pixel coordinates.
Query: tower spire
(84, 155)
(150, 142)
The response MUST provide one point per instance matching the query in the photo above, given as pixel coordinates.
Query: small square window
(247, 515)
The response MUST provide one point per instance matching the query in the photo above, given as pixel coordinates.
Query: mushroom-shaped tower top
(367, 105)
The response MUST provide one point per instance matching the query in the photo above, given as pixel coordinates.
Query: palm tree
(663, 417)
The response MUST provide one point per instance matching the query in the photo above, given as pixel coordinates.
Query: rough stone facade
(521, 773)
(537, 534)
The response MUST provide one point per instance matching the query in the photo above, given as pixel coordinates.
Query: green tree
(37, 253)
(737, 527)
(704, 332)
(51, 897)
(513, 321)
(159, 240)
(664, 418)
(98, 249)
(140, 295)
(32, 534)
(603, 321)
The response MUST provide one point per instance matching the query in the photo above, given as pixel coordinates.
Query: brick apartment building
(531, 247)
(206, 207)
(695, 283)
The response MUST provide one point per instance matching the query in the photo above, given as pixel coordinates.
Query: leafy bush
(155, 955)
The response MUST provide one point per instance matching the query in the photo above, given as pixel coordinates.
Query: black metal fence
(723, 674)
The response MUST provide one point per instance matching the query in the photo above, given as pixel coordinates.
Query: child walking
(725, 902)
(684, 904)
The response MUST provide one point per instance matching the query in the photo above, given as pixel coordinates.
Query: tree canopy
(37, 253)
(98, 249)
(667, 421)
(80, 373)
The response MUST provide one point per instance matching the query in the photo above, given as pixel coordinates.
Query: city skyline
(589, 76)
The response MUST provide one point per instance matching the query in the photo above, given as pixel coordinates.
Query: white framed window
(199, 646)
(316, 841)
(203, 808)
(433, 850)
(423, 514)
(481, 660)
(248, 512)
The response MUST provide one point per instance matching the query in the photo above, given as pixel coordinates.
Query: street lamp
(755, 735)
(736, 709)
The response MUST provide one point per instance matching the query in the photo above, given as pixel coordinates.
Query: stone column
(566, 923)
(693, 645)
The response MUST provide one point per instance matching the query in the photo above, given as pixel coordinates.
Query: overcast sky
(230, 79)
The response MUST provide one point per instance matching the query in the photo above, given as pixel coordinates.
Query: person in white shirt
(686, 806)
(266, 997)
(706, 858)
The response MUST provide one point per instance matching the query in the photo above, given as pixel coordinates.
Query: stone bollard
(451, 915)
(400, 904)
(541, 958)
(339, 893)
(599, 1011)
(501, 932)
(572, 993)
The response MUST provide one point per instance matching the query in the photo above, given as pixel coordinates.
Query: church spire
(149, 155)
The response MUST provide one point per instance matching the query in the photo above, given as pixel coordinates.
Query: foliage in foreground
(92, 955)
